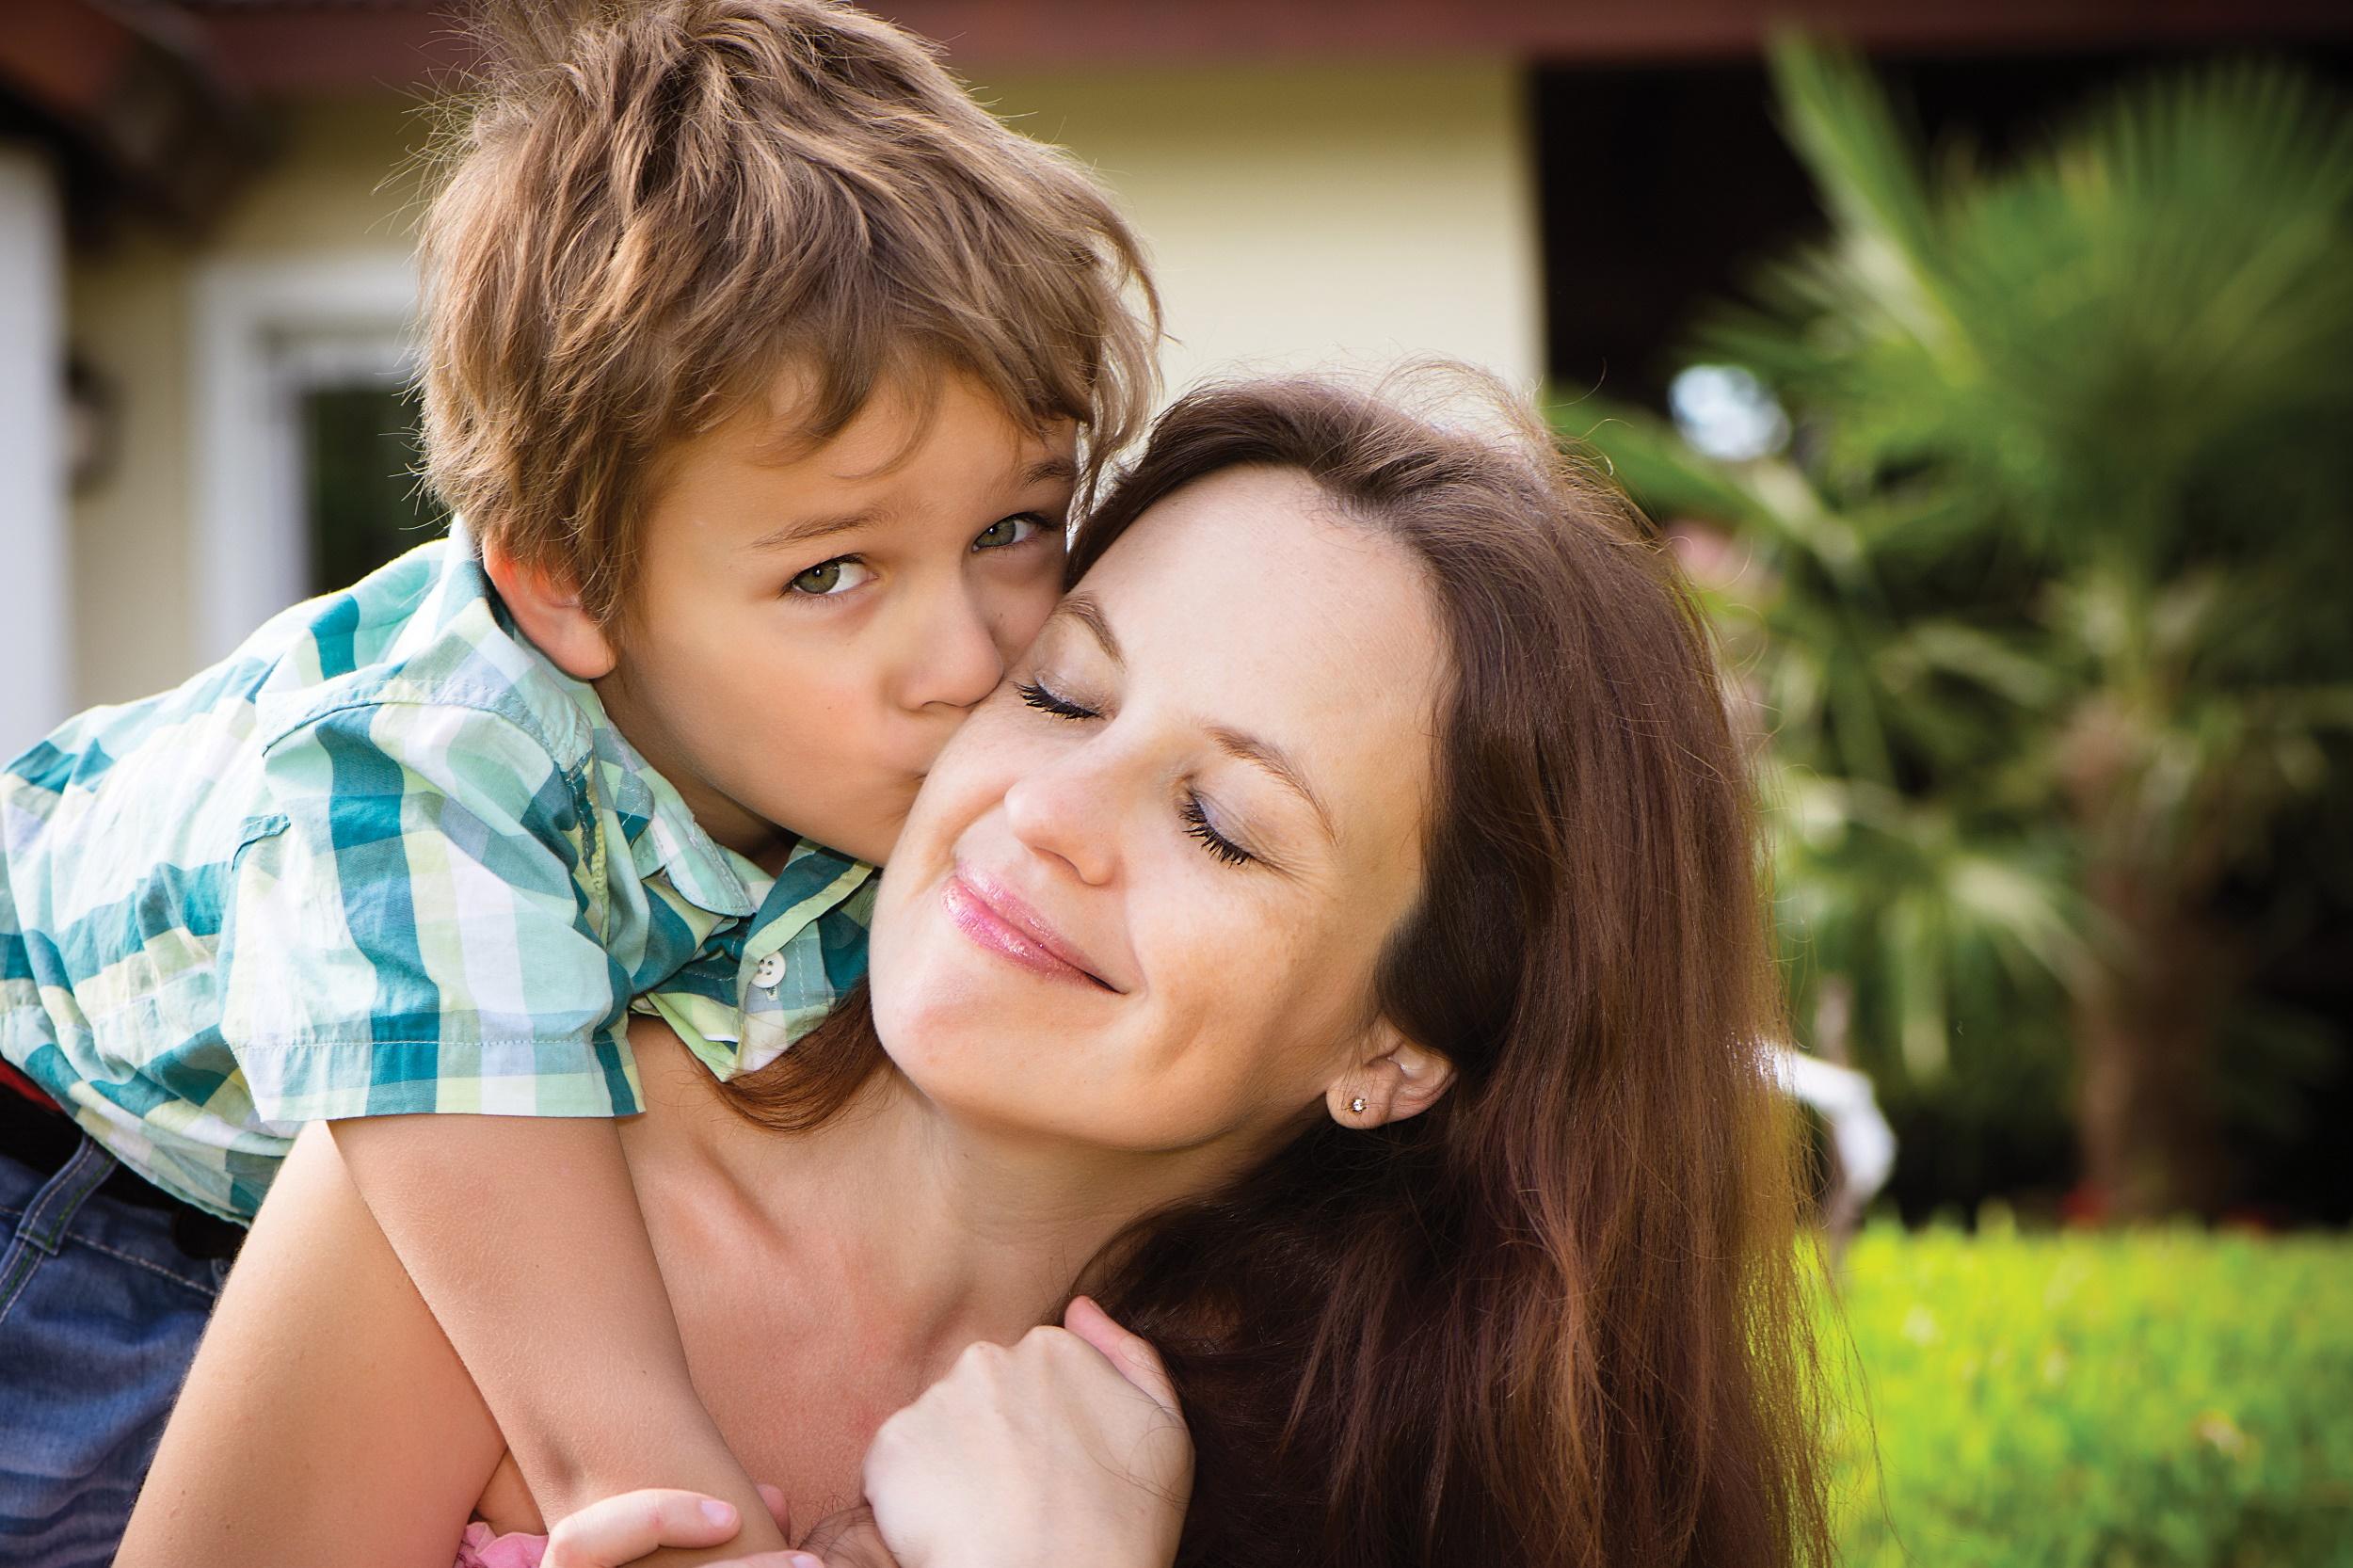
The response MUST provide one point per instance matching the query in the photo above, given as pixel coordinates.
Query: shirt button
(770, 972)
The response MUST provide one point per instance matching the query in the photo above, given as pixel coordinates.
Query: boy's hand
(622, 1529)
(1067, 1447)
(849, 1539)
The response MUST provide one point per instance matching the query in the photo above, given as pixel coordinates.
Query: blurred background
(1990, 365)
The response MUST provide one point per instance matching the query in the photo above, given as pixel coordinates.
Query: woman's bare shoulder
(326, 1417)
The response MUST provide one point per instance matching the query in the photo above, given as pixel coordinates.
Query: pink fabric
(480, 1549)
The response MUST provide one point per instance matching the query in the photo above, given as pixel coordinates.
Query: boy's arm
(424, 926)
(537, 1265)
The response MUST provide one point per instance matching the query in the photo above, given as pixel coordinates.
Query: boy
(756, 358)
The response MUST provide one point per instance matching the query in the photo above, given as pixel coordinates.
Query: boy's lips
(997, 918)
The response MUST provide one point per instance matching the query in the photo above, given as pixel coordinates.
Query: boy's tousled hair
(652, 210)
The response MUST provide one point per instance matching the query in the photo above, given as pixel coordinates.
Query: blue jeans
(100, 1313)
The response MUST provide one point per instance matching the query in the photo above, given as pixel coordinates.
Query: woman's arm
(325, 1418)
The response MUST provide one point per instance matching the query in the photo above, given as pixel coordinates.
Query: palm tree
(2044, 613)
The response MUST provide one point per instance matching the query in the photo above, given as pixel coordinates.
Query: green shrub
(2151, 1400)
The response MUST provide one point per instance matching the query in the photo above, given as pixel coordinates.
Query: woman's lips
(992, 916)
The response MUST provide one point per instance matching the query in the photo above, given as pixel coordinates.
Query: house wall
(1303, 218)
(1297, 217)
(35, 649)
(335, 189)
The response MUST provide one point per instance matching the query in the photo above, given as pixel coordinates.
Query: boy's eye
(1006, 531)
(828, 578)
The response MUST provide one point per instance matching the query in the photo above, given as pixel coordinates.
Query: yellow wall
(336, 183)
(1296, 216)
(1307, 216)
(131, 549)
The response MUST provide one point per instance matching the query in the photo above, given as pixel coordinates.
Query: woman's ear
(1401, 1079)
(548, 611)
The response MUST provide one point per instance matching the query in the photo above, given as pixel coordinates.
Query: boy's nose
(955, 662)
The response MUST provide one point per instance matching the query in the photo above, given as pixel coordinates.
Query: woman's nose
(956, 661)
(1067, 810)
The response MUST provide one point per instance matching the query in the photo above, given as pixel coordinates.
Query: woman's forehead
(1274, 562)
(1273, 617)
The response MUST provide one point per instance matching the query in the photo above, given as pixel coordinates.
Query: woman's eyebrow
(1268, 756)
(1238, 744)
(1082, 608)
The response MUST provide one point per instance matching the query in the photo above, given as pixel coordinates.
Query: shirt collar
(663, 835)
(814, 880)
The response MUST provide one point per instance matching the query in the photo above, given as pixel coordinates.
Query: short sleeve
(418, 926)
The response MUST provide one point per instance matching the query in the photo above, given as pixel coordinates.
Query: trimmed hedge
(2170, 1398)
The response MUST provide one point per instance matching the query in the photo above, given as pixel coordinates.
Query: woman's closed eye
(1195, 815)
(1197, 825)
(1045, 701)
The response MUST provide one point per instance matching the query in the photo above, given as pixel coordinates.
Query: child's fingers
(613, 1531)
(1137, 1361)
(848, 1540)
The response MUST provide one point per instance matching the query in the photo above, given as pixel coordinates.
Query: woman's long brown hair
(1560, 1317)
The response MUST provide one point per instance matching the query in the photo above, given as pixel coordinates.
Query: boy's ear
(548, 611)
(1398, 1078)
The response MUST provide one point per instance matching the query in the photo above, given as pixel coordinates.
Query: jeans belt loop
(54, 1207)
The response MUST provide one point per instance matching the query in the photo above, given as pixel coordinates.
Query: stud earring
(1357, 1105)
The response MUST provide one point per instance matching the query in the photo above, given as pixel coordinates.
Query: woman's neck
(909, 1233)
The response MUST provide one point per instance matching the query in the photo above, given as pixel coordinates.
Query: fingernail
(803, 1560)
(717, 1512)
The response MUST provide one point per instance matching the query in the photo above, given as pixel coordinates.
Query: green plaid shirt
(385, 857)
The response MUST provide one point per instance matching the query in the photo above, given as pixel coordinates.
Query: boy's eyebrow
(1238, 744)
(802, 530)
(1048, 468)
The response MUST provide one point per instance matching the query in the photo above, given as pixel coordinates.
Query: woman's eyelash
(1198, 825)
(1197, 818)
(1046, 702)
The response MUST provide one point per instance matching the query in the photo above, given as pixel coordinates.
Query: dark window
(1663, 185)
(362, 501)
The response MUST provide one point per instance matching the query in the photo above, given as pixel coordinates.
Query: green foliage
(2041, 610)
(2150, 1400)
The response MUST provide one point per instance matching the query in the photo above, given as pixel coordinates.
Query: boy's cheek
(802, 702)
(1016, 607)
(863, 823)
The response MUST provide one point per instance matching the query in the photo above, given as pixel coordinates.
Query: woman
(1338, 949)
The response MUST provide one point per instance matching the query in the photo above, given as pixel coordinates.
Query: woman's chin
(934, 992)
(936, 996)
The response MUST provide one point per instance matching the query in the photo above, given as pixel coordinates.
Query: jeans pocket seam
(18, 1266)
(149, 1264)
